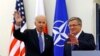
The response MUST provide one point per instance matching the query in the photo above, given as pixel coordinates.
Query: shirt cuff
(17, 27)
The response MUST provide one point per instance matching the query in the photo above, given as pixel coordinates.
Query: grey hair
(77, 19)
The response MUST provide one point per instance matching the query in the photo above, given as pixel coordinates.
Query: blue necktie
(40, 43)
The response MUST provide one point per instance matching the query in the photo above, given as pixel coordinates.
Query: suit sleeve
(51, 47)
(20, 36)
(49, 50)
(87, 43)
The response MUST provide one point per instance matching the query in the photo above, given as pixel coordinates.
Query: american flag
(17, 47)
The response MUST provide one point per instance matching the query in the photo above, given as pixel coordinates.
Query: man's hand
(72, 39)
(17, 18)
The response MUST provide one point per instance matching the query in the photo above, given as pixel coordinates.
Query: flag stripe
(15, 49)
(22, 52)
(17, 52)
(13, 43)
(22, 49)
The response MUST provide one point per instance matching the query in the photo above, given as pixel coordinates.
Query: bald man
(37, 43)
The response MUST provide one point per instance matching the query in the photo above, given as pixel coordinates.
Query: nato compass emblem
(59, 32)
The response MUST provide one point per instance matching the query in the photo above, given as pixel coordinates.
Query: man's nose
(41, 24)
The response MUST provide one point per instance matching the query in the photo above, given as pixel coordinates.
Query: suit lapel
(81, 35)
(45, 39)
(36, 39)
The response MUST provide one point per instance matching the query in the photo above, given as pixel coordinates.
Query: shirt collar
(78, 34)
(41, 33)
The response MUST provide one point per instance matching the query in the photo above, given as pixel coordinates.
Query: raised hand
(17, 18)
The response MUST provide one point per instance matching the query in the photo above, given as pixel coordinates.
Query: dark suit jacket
(30, 39)
(86, 42)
